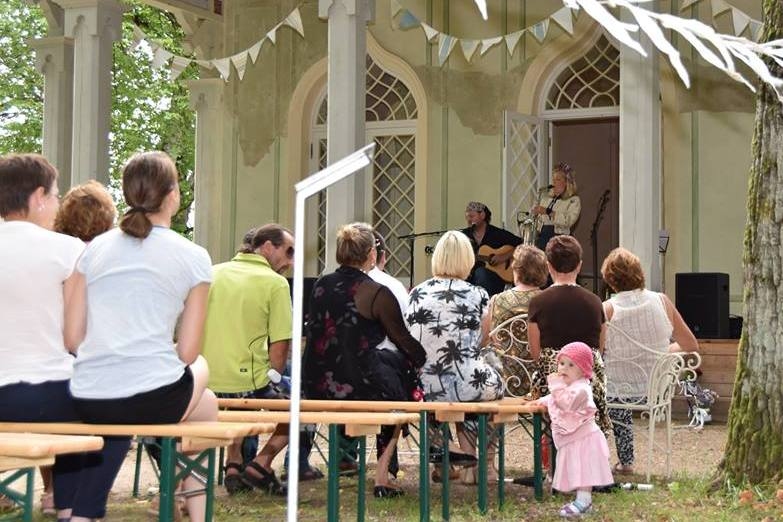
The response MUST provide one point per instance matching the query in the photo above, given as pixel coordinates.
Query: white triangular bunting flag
(240, 63)
(718, 7)
(206, 64)
(687, 3)
(272, 34)
(755, 30)
(160, 57)
(540, 29)
(740, 21)
(446, 44)
(512, 40)
(489, 43)
(429, 31)
(294, 20)
(223, 65)
(179, 64)
(564, 19)
(138, 36)
(469, 48)
(395, 7)
(253, 51)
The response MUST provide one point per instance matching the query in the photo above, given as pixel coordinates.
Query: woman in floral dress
(350, 315)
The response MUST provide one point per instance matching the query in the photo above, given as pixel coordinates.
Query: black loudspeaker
(703, 300)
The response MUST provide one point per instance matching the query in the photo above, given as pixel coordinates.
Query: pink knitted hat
(581, 355)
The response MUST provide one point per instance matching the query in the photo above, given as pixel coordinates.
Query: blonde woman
(559, 210)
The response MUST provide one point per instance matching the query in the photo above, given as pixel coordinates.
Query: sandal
(455, 457)
(387, 492)
(311, 473)
(47, 504)
(437, 474)
(575, 509)
(233, 483)
(623, 469)
(267, 482)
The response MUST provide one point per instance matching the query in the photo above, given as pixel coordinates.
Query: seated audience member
(86, 211)
(646, 317)
(134, 282)
(36, 279)
(350, 316)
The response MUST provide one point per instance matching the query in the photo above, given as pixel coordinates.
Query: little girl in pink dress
(582, 453)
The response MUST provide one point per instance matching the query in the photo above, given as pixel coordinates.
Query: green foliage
(149, 111)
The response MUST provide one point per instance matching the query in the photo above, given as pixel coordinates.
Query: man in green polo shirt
(248, 332)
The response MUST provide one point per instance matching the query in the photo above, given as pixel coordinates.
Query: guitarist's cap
(477, 206)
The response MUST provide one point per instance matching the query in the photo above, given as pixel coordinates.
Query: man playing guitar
(493, 247)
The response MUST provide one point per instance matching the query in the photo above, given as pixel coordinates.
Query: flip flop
(267, 482)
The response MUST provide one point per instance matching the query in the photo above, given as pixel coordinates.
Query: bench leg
(538, 477)
(168, 464)
(501, 466)
(137, 472)
(424, 467)
(482, 463)
(445, 471)
(333, 486)
(362, 486)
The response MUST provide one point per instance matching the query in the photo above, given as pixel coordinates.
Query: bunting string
(176, 64)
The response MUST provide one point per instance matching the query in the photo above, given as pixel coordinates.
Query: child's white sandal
(575, 509)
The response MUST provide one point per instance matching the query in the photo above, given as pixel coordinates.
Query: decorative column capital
(363, 8)
(206, 94)
(96, 16)
(55, 52)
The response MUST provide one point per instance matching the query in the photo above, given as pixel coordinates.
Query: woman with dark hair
(133, 283)
(558, 212)
(565, 313)
(36, 279)
(635, 315)
(530, 273)
(350, 316)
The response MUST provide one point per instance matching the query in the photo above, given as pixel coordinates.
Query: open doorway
(591, 147)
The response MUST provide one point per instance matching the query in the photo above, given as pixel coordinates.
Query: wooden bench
(201, 437)
(23, 452)
(501, 411)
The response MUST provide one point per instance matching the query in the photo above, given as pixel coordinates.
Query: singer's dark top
(494, 237)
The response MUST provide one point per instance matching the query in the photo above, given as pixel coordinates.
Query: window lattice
(387, 98)
(393, 192)
(523, 156)
(591, 81)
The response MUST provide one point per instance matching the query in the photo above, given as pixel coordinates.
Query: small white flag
(469, 48)
(240, 63)
(272, 35)
(223, 65)
(138, 36)
(740, 21)
(446, 44)
(687, 3)
(564, 19)
(755, 30)
(429, 31)
(178, 64)
(512, 40)
(253, 51)
(489, 43)
(294, 20)
(160, 57)
(540, 29)
(718, 7)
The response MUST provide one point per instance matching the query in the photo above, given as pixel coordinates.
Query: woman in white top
(132, 285)
(647, 317)
(36, 278)
(558, 212)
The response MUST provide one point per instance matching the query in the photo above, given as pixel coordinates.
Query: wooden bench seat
(194, 436)
(23, 452)
(501, 411)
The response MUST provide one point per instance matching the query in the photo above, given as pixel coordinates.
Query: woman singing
(558, 212)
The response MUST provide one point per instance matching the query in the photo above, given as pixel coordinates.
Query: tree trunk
(754, 451)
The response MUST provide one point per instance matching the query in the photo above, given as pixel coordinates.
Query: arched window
(590, 81)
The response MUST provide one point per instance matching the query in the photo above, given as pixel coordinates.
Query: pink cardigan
(571, 409)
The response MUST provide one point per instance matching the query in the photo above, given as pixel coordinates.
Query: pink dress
(582, 452)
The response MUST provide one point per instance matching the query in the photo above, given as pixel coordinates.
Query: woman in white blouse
(558, 212)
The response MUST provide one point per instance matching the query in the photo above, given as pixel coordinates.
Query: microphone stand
(604, 199)
(411, 238)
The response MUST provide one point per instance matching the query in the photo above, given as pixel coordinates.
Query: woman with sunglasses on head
(350, 316)
(559, 210)
(133, 284)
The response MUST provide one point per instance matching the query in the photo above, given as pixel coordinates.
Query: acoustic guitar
(486, 253)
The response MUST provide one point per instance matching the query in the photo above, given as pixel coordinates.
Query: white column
(346, 86)
(213, 196)
(640, 162)
(54, 60)
(94, 25)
